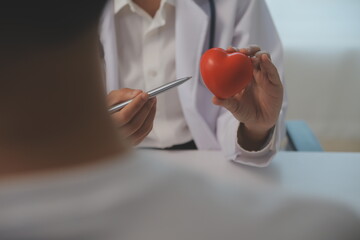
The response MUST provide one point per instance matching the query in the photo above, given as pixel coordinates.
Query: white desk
(333, 176)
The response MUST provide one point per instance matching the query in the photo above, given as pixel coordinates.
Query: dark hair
(24, 22)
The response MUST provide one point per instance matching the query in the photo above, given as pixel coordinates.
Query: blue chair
(301, 138)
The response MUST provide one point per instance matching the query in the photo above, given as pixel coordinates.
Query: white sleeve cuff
(234, 152)
(227, 137)
(260, 158)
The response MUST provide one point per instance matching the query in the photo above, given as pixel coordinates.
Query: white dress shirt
(146, 53)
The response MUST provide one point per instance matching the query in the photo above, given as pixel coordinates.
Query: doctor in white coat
(150, 42)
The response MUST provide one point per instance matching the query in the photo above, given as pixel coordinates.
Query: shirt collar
(119, 4)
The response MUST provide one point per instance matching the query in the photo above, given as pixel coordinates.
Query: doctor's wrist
(252, 138)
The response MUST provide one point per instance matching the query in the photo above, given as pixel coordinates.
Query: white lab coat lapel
(108, 40)
(191, 35)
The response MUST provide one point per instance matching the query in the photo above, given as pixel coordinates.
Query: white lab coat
(238, 23)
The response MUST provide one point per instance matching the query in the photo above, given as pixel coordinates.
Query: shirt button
(152, 73)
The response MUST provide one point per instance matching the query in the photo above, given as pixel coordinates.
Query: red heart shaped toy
(225, 74)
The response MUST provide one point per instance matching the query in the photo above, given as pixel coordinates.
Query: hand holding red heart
(258, 105)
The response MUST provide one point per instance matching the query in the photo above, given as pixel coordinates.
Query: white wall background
(321, 39)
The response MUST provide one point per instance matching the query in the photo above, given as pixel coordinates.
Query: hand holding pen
(133, 111)
(134, 121)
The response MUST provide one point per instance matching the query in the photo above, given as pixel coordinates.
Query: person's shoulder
(202, 205)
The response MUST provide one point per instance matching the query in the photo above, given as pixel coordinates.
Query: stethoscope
(212, 23)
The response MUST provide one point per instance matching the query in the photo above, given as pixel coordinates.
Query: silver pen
(152, 93)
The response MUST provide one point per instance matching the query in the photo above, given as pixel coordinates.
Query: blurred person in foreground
(66, 174)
